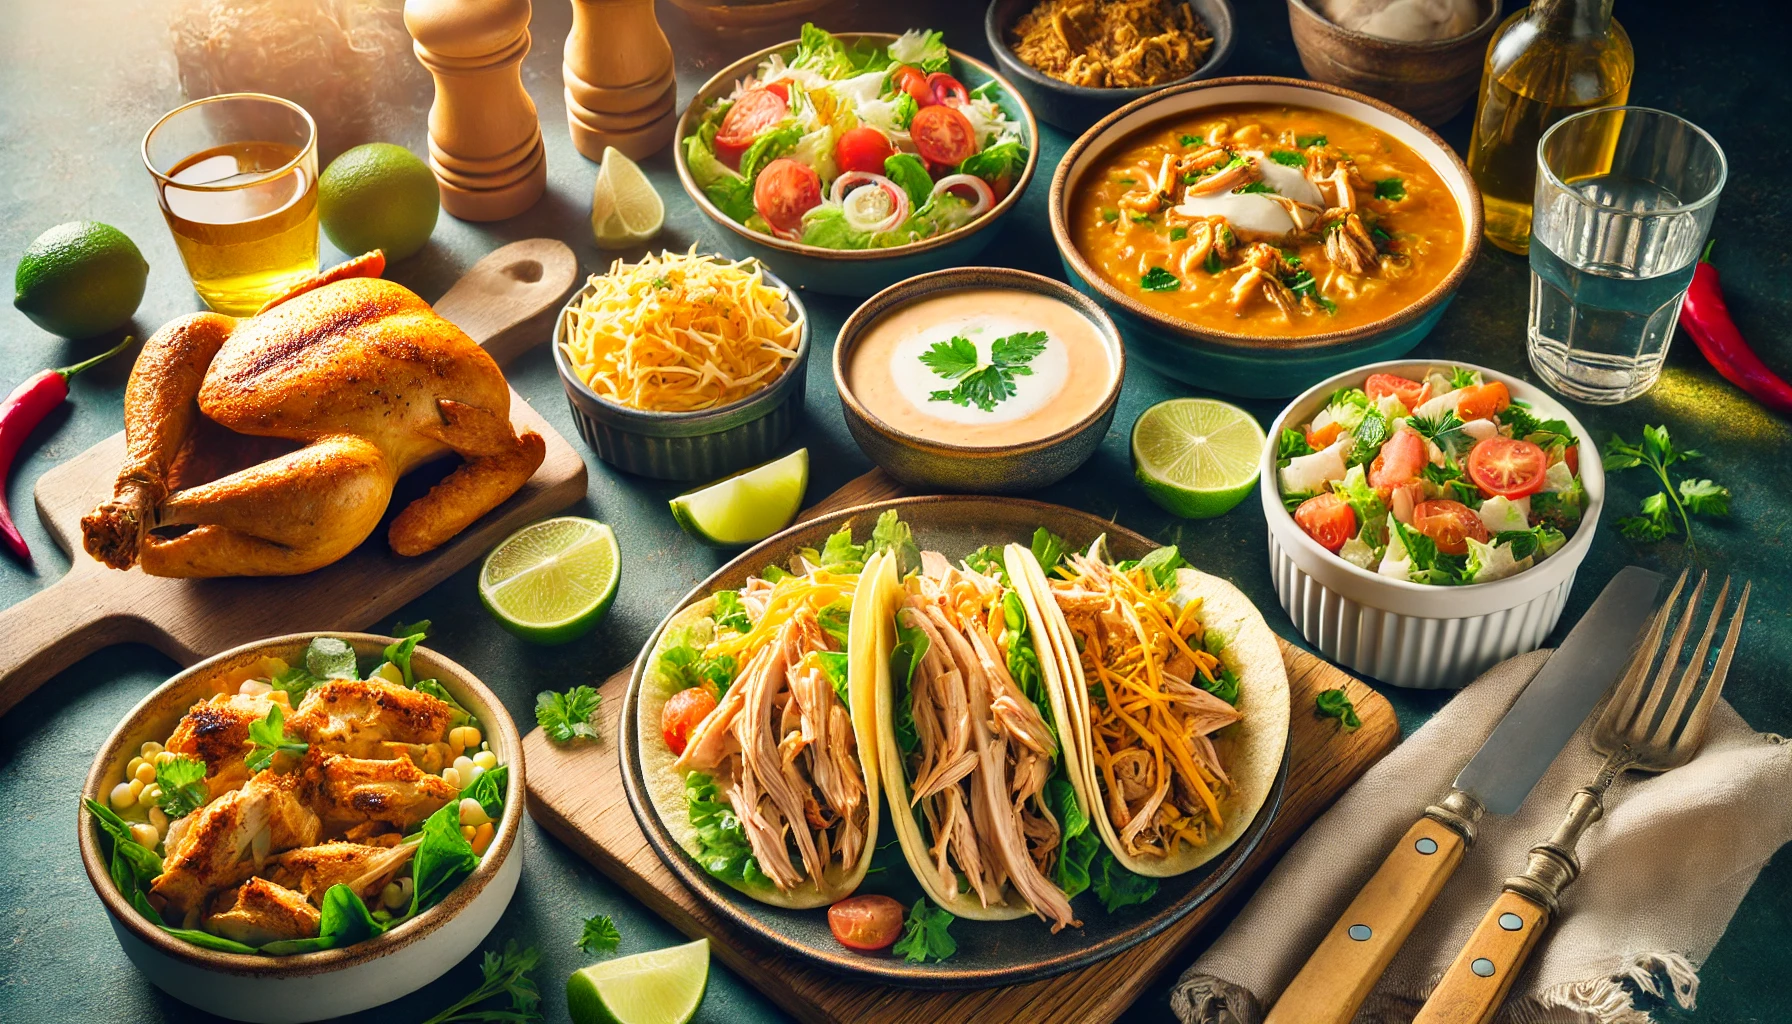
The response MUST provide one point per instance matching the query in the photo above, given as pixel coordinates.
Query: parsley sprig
(506, 974)
(182, 778)
(567, 716)
(983, 384)
(924, 934)
(600, 936)
(268, 737)
(1673, 501)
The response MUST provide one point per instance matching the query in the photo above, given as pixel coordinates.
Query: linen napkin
(1662, 873)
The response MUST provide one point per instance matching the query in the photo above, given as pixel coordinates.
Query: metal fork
(1635, 734)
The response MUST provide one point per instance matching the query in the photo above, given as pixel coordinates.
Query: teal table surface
(83, 80)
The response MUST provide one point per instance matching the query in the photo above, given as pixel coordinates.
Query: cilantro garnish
(1672, 501)
(600, 935)
(1255, 187)
(1305, 141)
(1157, 279)
(1178, 234)
(1190, 140)
(924, 934)
(1336, 704)
(983, 384)
(182, 778)
(268, 737)
(1287, 158)
(1110, 215)
(506, 975)
(1213, 264)
(1390, 188)
(567, 716)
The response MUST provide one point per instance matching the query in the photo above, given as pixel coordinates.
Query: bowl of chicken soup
(1254, 235)
(306, 826)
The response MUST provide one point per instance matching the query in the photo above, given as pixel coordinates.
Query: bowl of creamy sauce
(979, 379)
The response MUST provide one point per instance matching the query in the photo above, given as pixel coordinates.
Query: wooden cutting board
(94, 606)
(576, 793)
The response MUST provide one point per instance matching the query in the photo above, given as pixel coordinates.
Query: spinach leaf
(1117, 887)
(1048, 548)
(443, 858)
(488, 789)
(1079, 838)
(833, 665)
(907, 170)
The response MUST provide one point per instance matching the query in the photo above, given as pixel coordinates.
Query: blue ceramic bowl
(1259, 366)
(849, 271)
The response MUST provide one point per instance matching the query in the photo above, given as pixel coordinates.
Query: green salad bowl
(857, 272)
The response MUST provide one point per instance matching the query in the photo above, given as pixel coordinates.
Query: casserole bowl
(857, 271)
(333, 982)
(1258, 365)
(1413, 634)
(931, 465)
(701, 445)
(1075, 107)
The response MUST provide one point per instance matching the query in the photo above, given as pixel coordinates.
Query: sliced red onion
(881, 207)
(986, 196)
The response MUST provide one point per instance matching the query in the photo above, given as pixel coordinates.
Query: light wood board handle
(508, 287)
(56, 627)
(1337, 978)
(1476, 984)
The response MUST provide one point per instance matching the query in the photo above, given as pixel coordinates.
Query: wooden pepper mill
(484, 136)
(619, 85)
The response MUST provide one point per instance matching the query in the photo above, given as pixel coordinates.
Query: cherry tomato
(1480, 401)
(1507, 467)
(781, 87)
(684, 710)
(947, 89)
(1449, 524)
(913, 81)
(866, 922)
(1572, 457)
(1411, 393)
(1327, 519)
(1324, 436)
(1400, 460)
(943, 136)
(751, 116)
(784, 192)
(862, 149)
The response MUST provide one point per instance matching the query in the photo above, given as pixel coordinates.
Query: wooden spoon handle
(1338, 976)
(1476, 984)
(507, 288)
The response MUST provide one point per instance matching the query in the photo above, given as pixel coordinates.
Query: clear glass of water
(1624, 199)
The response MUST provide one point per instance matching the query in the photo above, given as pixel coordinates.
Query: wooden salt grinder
(484, 136)
(619, 85)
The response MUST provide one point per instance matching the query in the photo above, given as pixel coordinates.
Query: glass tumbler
(236, 175)
(1624, 199)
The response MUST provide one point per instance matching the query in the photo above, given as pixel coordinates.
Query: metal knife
(1338, 976)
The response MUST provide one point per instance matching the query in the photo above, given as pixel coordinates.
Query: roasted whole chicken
(270, 445)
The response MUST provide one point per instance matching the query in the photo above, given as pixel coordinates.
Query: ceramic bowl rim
(996, 36)
(647, 420)
(301, 965)
(1367, 41)
(725, 78)
(1256, 343)
(940, 282)
(1511, 591)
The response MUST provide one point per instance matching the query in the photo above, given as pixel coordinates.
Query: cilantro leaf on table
(982, 384)
(600, 936)
(924, 934)
(1337, 704)
(1670, 509)
(506, 975)
(182, 778)
(267, 737)
(567, 716)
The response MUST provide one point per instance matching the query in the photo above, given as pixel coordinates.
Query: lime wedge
(551, 581)
(1196, 457)
(747, 507)
(664, 986)
(625, 209)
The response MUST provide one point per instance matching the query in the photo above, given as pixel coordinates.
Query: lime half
(1196, 457)
(749, 506)
(551, 581)
(664, 986)
(625, 209)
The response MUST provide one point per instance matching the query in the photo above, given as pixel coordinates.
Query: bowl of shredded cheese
(683, 366)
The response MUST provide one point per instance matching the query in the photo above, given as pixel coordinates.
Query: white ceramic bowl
(335, 982)
(1410, 634)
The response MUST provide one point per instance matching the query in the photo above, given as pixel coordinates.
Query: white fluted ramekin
(1410, 634)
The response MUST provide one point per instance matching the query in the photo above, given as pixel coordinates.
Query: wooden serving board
(94, 606)
(576, 793)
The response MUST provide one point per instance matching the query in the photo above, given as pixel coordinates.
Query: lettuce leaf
(722, 846)
(1001, 163)
(1080, 841)
(905, 659)
(925, 50)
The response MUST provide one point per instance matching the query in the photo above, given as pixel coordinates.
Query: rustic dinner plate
(989, 953)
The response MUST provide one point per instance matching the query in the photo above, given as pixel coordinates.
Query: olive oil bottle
(1553, 59)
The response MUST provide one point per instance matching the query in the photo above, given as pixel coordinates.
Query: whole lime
(378, 196)
(80, 279)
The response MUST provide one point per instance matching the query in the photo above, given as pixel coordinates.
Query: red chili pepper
(22, 411)
(1707, 319)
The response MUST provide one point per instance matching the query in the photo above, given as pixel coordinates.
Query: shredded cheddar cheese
(680, 332)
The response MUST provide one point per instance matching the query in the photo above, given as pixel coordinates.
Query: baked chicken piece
(361, 377)
(230, 838)
(370, 718)
(312, 870)
(397, 793)
(216, 731)
(260, 911)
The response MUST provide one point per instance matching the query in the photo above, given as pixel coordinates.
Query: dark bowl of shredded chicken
(1076, 61)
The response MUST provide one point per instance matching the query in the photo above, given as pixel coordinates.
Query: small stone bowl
(930, 466)
(1432, 81)
(334, 982)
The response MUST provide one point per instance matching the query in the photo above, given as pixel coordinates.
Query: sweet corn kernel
(482, 837)
(151, 795)
(159, 820)
(145, 835)
(166, 756)
(471, 813)
(254, 688)
(392, 896)
(486, 759)
(451, 776)
(123, 797)
(145, 772)
(136, 788)
(464, 765)
(281, 697)
(130, 770)
(467, 831)
(150, 749)
(390, 673)
(471, 733)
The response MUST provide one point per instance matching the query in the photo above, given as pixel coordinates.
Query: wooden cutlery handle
(1340, 973)
(1476, 984)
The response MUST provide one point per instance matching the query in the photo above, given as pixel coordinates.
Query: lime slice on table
(747, 507)
(664, 986)
(1196, 457)
(625, 209)
(551, 581)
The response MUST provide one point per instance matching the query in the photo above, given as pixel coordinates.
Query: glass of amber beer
(236, 175)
